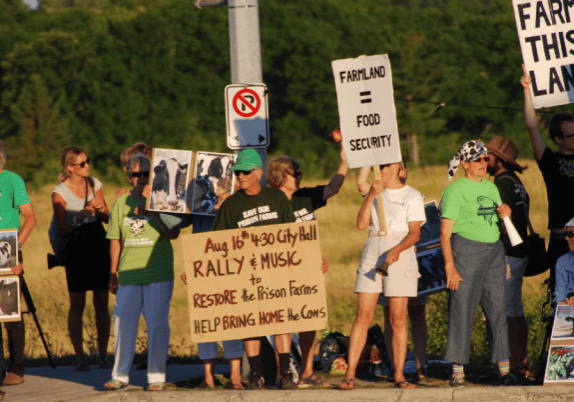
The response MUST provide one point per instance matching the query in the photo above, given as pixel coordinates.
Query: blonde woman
(79, 210)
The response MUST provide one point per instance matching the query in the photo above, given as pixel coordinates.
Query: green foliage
(116, 72)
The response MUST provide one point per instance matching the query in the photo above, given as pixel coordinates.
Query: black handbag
(537, 260)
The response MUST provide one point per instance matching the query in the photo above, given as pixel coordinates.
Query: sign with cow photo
(560, 362)
(10, 299)
(213, 182)
(8, 250)
(171, 177)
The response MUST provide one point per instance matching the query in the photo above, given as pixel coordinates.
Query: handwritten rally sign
(546, 34)
(255, 281)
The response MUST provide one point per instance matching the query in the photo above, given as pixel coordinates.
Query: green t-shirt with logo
(147, 254)
(12, 195)
(473, 207)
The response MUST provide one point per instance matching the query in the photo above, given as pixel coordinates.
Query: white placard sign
(367, 110)
(546, 34)
(247, 115)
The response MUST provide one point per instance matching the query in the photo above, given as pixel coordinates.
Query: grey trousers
(482, 267)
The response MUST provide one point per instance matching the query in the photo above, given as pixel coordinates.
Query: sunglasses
(140, 174)
(82, 164)
(244, 172)
(297, 175)
(485, 159)
(569, 233)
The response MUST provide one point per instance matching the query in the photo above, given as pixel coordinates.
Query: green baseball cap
(248, 159)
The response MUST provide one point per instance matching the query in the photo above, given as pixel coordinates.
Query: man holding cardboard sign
(255, 205)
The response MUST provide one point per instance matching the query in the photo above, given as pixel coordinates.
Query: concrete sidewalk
(65, 384)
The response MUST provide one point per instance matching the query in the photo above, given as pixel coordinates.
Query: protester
(14, 201)
(248, 170)
(142, 278)
(416, 307)
(283, 173)
(474, 260)
(79, 210)
(557, 169)
(503, 167)
(404, 215)
(565, 270)
(126, 155)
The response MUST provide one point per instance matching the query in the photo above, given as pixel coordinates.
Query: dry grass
(341, 245)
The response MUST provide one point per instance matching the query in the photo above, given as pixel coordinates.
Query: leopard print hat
(470, 150)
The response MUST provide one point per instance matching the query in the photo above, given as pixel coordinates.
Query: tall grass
(341, 245)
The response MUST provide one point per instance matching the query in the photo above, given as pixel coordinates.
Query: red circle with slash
(242, 99)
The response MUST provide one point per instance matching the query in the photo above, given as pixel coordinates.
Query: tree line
(104, 74)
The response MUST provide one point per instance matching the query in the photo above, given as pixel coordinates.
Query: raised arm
(538, 143)
(362, 183)
(337, 181)
(364, 218)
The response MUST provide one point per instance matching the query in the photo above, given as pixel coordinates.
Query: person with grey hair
(14, 201)
(141, 277)
(79, 210)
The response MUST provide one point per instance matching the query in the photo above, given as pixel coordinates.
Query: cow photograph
(8, 250)
(563, 327)
(170, 181)
(213, 181)
(10, 299)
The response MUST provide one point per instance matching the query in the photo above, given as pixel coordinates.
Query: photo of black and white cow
(170, 180)
(213, 181)
(8, 249)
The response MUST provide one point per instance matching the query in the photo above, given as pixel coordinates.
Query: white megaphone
(513, 235)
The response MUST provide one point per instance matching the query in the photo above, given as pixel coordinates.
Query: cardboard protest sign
(170, 178)
(546, 34)
(255, 281)
(561, 350)
(367, 110)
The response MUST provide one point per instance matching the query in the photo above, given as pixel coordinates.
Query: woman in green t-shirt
(474, 260)
(141, 277)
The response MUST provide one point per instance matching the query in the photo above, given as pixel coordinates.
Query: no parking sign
(247, 116)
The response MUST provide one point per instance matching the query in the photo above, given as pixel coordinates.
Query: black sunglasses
(297, 175)
(245, 172)
(569, 233)
(82, 164)
(140, 174)
(484, 159)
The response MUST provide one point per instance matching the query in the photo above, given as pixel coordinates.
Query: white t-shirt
(401, 206)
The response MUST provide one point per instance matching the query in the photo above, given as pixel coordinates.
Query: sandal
(113, 385)
(156, 386)
(204, 385)
(347, 385)
(314, 381)
(404, 385)
(419, 374)
(230, 385)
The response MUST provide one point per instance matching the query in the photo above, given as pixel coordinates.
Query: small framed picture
(214, 181)
(432, 271)
(10, 299)
(8, 250)
(170, 180)
(563, 327)
(559, 364)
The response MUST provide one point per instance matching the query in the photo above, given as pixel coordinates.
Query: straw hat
(505, 149)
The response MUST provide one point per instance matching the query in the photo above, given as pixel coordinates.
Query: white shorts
(515, 268)
(403, 274)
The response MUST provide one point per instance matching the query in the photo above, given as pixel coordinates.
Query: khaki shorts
(403, 274)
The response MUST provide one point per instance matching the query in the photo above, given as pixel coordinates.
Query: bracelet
(75, 223)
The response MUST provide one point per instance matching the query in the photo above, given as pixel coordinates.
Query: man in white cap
(565, 269)
(254, 205)
(503, 167)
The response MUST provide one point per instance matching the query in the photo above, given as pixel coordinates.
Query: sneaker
(508, 379)
(457, 381)
(287, 382)
(255, 382)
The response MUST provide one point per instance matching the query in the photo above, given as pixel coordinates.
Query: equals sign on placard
(366, 93)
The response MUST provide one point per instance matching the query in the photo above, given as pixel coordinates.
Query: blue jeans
(482, 267)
